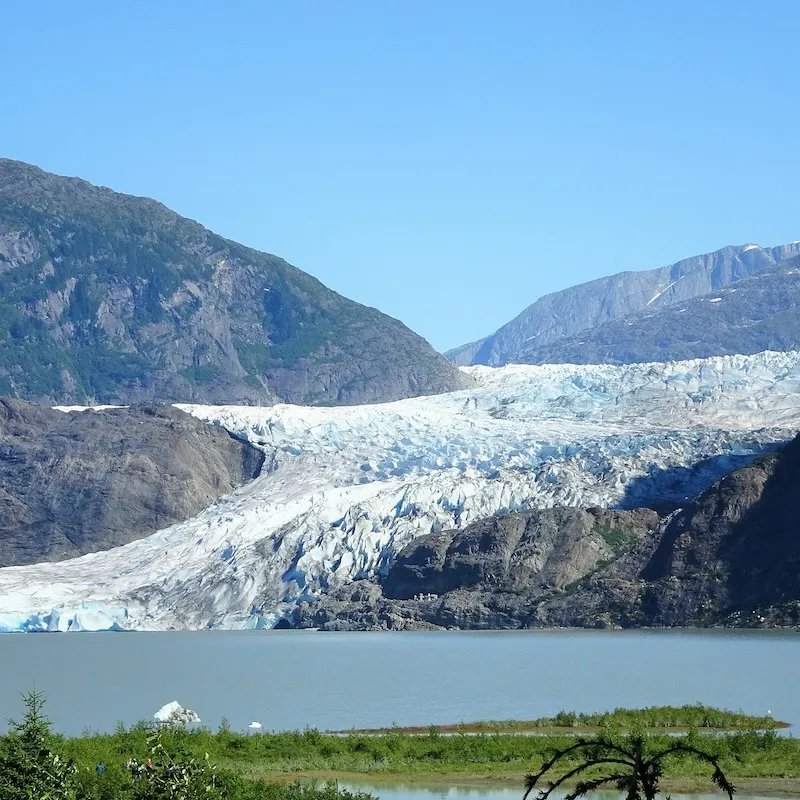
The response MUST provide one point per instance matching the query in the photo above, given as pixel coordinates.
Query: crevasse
(346, 487)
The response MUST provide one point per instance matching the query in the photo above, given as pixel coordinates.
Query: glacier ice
(174, 713)
(344, 488)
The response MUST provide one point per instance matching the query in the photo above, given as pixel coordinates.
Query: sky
(447, 162)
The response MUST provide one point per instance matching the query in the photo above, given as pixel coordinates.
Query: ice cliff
(344, 488)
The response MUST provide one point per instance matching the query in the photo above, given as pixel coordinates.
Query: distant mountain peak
(586, 306)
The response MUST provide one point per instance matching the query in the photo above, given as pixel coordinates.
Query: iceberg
(344, 488)
(175, 714)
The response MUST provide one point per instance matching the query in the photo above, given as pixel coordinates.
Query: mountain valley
(262, 451)
(343, 490)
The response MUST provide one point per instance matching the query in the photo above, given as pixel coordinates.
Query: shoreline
(762, 787)
(525, 729)
(650, 720)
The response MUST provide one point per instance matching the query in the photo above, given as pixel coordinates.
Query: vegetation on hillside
(110, 298)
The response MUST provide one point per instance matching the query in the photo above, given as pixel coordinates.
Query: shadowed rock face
(77, 483)
(108, 298)
(731, 557)
(734, 550)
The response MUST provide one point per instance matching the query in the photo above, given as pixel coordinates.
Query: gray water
(297, 679)
(399, 792)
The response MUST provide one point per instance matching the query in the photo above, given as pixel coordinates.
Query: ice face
(344, 488)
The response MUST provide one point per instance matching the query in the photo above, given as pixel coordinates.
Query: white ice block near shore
(175, 714)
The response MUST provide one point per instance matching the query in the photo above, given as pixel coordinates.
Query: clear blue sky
(447, 162)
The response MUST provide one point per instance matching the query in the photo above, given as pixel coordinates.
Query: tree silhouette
(633, 764)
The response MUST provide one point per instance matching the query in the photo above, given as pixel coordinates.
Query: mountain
(76, 483)
(345, 489)
(586, 306)
(731, 557)
(108, 298)
(758, 313)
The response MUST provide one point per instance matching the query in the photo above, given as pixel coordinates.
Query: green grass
(654, 718)
(493, 756)
(268, 766)
(617, 540)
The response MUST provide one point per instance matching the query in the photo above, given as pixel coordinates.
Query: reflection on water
(443, 792)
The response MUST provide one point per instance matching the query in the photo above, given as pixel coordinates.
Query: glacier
(344, 488)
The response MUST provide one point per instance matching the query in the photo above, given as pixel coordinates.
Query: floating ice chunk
(175, 714)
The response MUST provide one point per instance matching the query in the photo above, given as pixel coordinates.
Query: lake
(415, 792)
(298, 679)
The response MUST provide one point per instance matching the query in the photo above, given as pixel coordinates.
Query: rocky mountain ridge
(761, 312)
(584, 307)
(730, 557)
(108, 298)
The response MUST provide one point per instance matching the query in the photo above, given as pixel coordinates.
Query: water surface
(400, 792)
(298, 679)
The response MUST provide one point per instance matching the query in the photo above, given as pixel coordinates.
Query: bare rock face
(85, 481)
(530, 551)
(108, 298)
(488, 575)
(730, 557)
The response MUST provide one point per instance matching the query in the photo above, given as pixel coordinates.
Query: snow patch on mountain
(344, 488)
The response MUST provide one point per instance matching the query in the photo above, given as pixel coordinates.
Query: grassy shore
(655, 719)
(760, 762)
(671, 784)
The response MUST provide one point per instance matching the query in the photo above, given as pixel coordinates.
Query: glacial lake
(416, 792)
(298, 679)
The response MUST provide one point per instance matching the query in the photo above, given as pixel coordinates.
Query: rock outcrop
(108, 298)
(730, 557)
(491, 574)
(79, 482)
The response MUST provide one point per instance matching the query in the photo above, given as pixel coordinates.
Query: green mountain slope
(110, 298)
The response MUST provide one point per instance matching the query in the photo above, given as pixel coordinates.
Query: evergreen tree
(29, 767)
